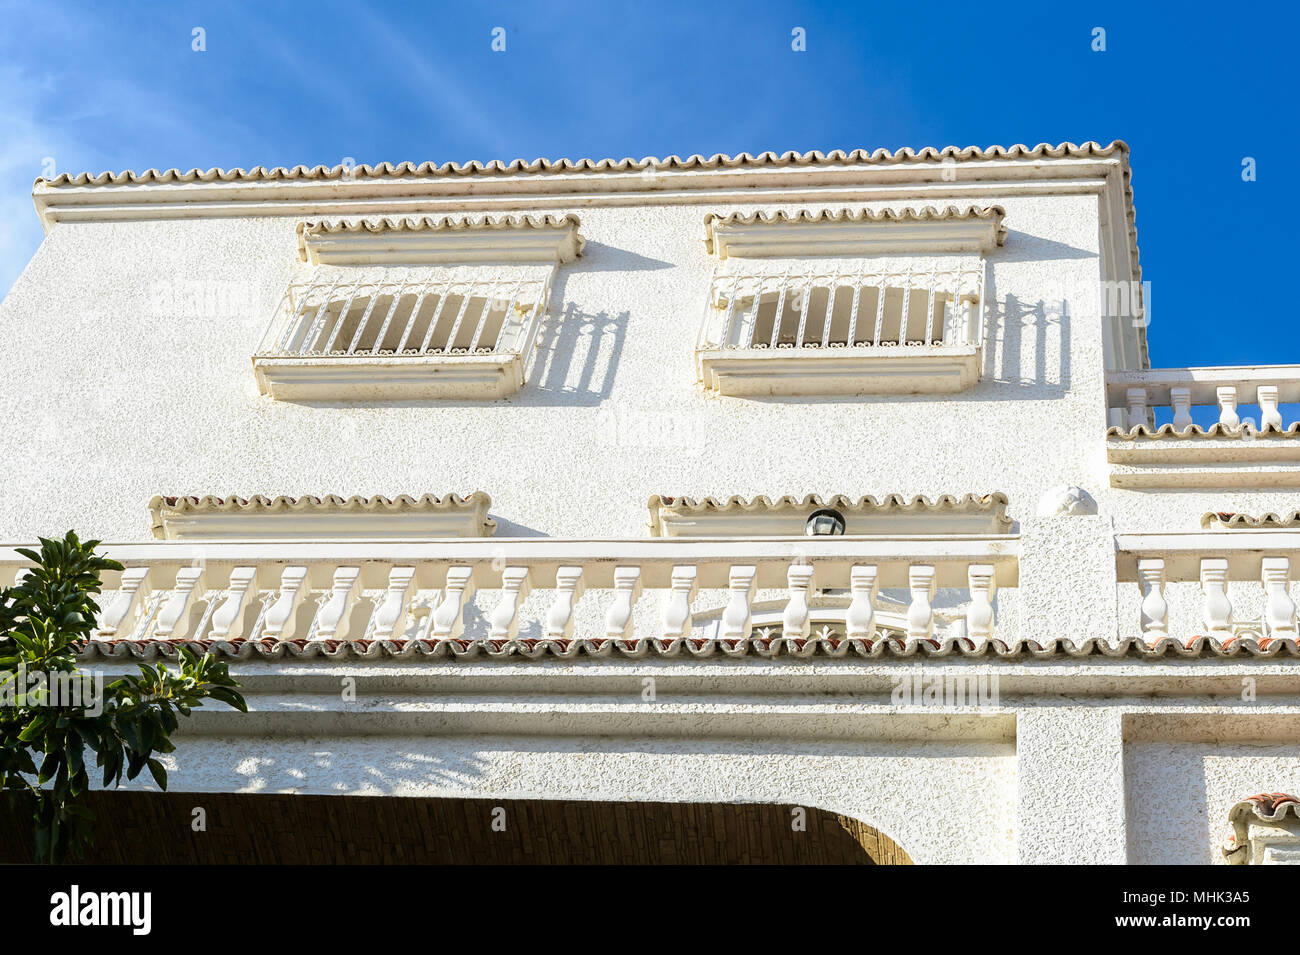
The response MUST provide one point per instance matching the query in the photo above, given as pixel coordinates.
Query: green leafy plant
(49, 744)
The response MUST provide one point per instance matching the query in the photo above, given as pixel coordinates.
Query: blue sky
(1193, 90)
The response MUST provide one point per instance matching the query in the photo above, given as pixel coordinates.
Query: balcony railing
(420, 331)
(1134, 397)
(1204, 427)
(551, 589)
(1226, 585)
(840, 328)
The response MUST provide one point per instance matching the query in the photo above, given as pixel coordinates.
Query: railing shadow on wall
(576, 358)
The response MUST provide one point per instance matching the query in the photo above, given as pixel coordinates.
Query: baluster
(444, 293)
(1279, 608)
(228, 620)
(172, 620)
(676, 613)
(1117, 416)
(831, 291)
(332, 613)
(568, 589)
(1227, 397)
(731, 309)
(1181, 400)
(516, 583)
(737, 617)
(796, 620)
(929, 311)
(125, 603)
(1270, 416)
(1137, 407)
(392, 609)
(860, 618)
(627, 590)
(278, 622)
(1217, 608)
(920, 613)
(803, 314)
(448, 619)
(1155, 610)
(907, 304)
(979, 615)
(880, 309)
(853, 309)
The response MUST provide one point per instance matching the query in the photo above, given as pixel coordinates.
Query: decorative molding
(861, 370)
(857, 232)
(332, 517)
(1265, 831)
(417, 240)
(389, 377)
(893, 515)
(1230, 520)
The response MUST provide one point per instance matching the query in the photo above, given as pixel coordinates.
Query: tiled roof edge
(524, 649)
(717, 161)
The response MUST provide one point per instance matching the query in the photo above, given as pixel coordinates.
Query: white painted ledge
(901, 370)
(388, 377)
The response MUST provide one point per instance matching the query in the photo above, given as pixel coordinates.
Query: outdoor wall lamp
(824, 522)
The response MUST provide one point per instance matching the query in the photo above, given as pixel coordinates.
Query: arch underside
(241, 828)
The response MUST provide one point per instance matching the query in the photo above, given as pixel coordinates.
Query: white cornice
(429, 239)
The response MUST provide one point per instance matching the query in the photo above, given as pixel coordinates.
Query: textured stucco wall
(127, 358)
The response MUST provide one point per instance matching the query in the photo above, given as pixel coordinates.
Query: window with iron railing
(434, 308)
(879, 310)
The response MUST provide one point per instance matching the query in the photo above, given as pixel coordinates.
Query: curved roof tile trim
(310, 229)
(1266, 807)
(1231, 520)
(809, 216)
(983, 502)
(282, 502)
(1216, 430)
(837, 157)
(523, 649)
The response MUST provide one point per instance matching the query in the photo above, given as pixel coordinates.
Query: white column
(120, 611)
(1070, 807)
(627, 590)
(1270, 416)
(448, 619)
(173, 621)
(1279, 608)
(278, 622)
(516, 583)
(1227, 398)
(1155, 610)
(796, 621)
(568, 588)
(1137, 407)
(737, 617)
(228, 619)
(1181, 400)
(676, 613)
(391, 612)
(920, 613)
(333, 612)
(1217, 608)
(860, 618)
(979, 615)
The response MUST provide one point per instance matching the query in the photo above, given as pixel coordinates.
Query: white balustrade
(737, 617)
(1221, 391)
(859, 619)
(979, 614)
(382, 591)
(920, 612)
(627, 591)
(1279, 608)
(1217, 609)
(797, 619)
(1155, 609)
(332, 611)
(676, 613)
(172, 620)
(568, 589)
(515, 586)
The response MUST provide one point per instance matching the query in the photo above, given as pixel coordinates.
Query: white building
(493, 481)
